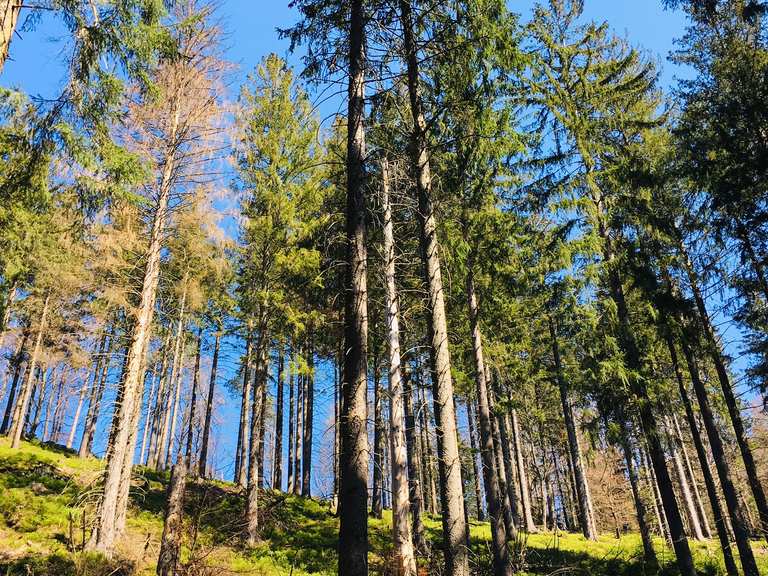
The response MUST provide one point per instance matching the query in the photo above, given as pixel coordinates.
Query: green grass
(47, 492)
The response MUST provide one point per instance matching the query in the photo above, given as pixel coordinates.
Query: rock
(38, 488)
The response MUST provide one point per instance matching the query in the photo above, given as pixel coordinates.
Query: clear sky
(36, 68)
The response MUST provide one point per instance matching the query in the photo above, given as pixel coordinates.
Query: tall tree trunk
(203, 464)
(277, 458)
(506, 478)
(404, 557)
(60, 404)
(241, 460)
(730, 399)
(97, 393)
(193, 401)
(9, 12)
(413, 454)
(642, 512)
(685, 489)
(160, 404)
(154, 389)
(291, 425)
(259, 390)
(475, 469)
(263, 425)
(701, 453)
(525, 497)
(736, 508)
(700, 511)
(353, 461)
(170, 545)
(648, 419)
(451, 490)
(5, 313)
(16, 362)
(378, 441)
(22, 405)
(172, 415)
(299, 433)
(104, 534)
(586, 521)
(153, 411)
(309, 403)
(40, 389)
(501, 563)
(76, 417)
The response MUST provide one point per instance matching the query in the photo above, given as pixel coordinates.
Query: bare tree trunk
(16, 361)
(252, 495)
(586, 521)
(277, 459)
(170, 544)
(309, 403)
(378, 441)
(172, 415)
(700, 511)
(640, 508)
(154, 410)
(241, 466)
(506, 477)
(154, 389)
(97, 393)
(525, 498)
(76, 417)
(203, 464)
(292, 431)
(60, 404)
(9, 12)
(299, 433)
(701, 453)
(104, 534)
(693, 518)
(40, 389)
(20, 414)
(414, 465)
(501, 563)
(475, 469)
(193, 402)
(263, 424)
(353, 461)
(730, 400)
(736, 508)
(404, 558)
(449, 464)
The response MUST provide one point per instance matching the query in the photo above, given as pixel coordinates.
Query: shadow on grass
(64, 565)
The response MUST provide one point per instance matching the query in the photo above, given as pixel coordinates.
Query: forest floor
(45, 491)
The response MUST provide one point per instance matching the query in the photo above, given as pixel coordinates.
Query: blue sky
(36, 68)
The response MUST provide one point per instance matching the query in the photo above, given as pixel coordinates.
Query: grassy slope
(43, 492)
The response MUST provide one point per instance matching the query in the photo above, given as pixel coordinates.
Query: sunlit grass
(42, 491)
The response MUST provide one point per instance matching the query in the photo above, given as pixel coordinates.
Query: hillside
(45, 491)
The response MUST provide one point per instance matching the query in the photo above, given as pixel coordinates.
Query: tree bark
(103, 536)
(252, 494)
(22, 405)
(501, 563)
(277, 459)
(291, 426)
(525, 497)
(242, 434)
(449, 464)
(203, 464)
(639, 389)
(170, 545)
(193, 402)
(353, 461)
(586, 521)
(685, 489)
(9, 12)
(309, 403)
(736, 508)
(297, 449)
(701, 453)
(97, 393)
(404, 558)
(475, 469)
(378, 441)
(642, 512)
(16, 361)
(414, 465)
(730, 399)
(700, 511)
